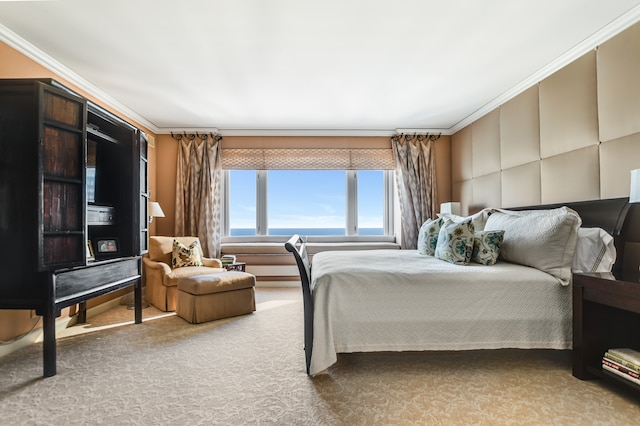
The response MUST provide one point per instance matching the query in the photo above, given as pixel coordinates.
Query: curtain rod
(193, 136)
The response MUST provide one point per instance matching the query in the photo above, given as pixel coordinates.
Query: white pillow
(543, 239)
(479, 219)
(595, 251)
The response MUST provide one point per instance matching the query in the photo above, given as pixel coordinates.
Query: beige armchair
(161, 281)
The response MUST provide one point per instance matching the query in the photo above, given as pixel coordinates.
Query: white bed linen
(398, 300)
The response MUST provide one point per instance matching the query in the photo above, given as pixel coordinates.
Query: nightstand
(606, 314)
(238, 266)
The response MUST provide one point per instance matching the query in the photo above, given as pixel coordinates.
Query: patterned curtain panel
(198, 191)
(416, 178)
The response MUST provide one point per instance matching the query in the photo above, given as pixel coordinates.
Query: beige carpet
(250, 370)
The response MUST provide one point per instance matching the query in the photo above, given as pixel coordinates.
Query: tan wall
(574, 136)
(14, 64)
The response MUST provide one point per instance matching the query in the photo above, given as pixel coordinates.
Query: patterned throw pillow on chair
(185, 256)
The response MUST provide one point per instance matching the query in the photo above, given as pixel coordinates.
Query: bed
(402, 300)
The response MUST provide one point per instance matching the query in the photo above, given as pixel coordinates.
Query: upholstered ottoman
(210, 297)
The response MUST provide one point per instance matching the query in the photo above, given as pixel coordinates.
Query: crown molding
(29, 50)
(283, 132)
(614, 28)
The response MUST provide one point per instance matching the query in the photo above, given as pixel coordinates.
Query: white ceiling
(261, 67)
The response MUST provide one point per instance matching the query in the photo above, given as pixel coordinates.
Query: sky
(305, 199)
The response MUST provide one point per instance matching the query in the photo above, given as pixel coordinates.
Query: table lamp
(155, 210)
(634, 190)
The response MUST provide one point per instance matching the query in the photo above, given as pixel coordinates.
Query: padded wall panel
(463, 192)
(573, 176)
(568, 108)
(485, 136)
(619, 85)
(461, 155)
(521, 185)
(520, 130)
(486, 191)
(617, 158)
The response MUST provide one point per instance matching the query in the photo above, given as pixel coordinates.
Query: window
(241, 196)
(308, 202)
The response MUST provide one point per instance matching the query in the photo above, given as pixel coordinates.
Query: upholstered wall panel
(589, 134)
(461, 166)
(619, 85)
(617, 158)
(573, 176)
(520, 129)
(486, 191)
(568, 108)
(486, 144)
(521, 185)
(463, 192)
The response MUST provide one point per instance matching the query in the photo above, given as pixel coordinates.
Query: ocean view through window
(305, 202)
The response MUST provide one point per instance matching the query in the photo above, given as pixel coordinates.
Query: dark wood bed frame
(614, 215)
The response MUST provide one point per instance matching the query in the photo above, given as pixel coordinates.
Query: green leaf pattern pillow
(428, 236)
(455, 242)
(486, 246)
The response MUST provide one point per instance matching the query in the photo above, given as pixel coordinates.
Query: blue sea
(241, 232)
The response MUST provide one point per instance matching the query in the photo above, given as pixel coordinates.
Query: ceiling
(343, 67)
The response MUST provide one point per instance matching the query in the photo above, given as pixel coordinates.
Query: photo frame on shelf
(90, 254)
(107, 246)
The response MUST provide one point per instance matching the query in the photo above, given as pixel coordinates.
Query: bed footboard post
(302, 260)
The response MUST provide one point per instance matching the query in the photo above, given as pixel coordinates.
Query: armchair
(161, 281)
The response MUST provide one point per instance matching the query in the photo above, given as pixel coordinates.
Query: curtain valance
(307, 158)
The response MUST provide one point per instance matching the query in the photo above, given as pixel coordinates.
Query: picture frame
(107, 246)
(90, 254)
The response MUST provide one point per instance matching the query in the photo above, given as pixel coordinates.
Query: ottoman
(210, 297)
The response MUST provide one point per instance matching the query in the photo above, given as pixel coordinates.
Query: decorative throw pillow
(455, 242)
(185, 256)
(428, 236)
(486, 246)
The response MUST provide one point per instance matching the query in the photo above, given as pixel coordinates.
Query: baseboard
(269, 284)
(37, 336)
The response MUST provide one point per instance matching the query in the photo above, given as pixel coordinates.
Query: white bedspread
(398, 300)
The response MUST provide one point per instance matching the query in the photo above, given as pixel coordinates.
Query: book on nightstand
(623, 357)
(624, 363)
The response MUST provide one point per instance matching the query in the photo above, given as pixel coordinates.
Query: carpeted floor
(250, 370)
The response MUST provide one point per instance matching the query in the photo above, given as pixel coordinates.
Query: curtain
(416, 180)
(198, 191)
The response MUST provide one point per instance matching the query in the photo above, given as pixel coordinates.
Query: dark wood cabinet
(606, 313)
(70, 173)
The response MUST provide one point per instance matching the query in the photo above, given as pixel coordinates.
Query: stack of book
(623, 362)
(228, 259)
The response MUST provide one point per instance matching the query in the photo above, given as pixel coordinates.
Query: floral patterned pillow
(455, 242)
(486, 246)
(428, 236)
(185, 256)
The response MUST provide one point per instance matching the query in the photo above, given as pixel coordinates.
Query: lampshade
(634, 191)
(451, 207)
(155, 210)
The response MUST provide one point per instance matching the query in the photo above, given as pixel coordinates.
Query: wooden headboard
(618, 218)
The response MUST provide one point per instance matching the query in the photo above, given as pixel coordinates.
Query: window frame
(351, 214)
